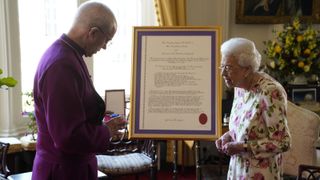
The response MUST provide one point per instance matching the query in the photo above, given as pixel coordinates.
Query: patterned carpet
(209, 172)
(187, 173)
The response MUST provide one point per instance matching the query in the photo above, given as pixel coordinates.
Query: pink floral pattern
(258, 176)
(259, 116)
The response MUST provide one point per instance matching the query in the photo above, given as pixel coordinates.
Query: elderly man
(68, 110)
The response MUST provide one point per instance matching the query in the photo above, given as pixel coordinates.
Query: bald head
(95, 14)
(93, 27)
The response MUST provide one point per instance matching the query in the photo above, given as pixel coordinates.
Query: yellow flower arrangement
(294, 51)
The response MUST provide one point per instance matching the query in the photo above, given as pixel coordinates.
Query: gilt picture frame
(277, 11)
(176, 85)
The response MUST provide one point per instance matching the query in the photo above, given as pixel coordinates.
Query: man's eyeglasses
(108, 39)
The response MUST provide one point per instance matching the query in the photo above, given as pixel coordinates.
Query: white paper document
(176, 85)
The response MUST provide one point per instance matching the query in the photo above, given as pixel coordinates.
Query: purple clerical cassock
(69, 113)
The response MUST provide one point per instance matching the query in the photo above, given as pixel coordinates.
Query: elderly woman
(258, 131)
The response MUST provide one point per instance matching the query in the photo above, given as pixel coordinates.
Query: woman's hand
(225, 138)
(232, 148)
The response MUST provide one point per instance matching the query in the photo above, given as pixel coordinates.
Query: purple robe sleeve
(64, 91)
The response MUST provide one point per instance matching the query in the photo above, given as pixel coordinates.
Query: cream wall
(222, 13)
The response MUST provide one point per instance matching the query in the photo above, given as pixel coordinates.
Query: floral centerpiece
(294, 51)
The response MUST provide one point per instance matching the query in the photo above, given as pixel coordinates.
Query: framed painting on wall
(176, 83)
(276, 11)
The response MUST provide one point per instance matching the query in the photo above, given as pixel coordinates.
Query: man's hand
(266, 5)
(115, 124)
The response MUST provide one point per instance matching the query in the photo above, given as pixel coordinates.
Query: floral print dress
(259, 117)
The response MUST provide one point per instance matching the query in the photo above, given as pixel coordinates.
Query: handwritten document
(176, 82)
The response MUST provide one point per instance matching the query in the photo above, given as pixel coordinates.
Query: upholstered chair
(307, 172)
(128, 157)
(304, 127)
(4, 172)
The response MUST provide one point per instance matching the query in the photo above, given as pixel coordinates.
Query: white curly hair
(243, 50)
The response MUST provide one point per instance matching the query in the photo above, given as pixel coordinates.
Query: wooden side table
(28, 143)
(15, 144)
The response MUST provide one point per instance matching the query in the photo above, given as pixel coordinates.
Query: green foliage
(7, 81)
(32, 124)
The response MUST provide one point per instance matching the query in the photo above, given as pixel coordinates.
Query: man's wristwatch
(245, 145)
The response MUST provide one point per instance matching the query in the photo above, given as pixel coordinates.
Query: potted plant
(29, 112)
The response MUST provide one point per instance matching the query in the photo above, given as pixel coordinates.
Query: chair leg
(198, 162)
(153, 169)
(153, 173)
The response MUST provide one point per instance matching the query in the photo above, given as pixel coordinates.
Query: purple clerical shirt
(68, 112)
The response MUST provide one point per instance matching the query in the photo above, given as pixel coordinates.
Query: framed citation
(176, 83)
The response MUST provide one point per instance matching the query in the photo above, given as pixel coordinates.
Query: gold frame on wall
(278, 16)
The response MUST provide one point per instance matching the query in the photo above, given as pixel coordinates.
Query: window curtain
(11, 122)
(173, 13)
